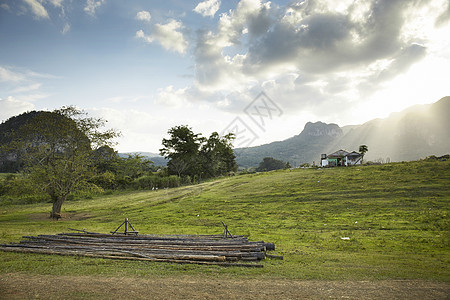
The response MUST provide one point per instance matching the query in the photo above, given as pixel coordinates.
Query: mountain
(157, 159)
(297, 149)
(414, 133)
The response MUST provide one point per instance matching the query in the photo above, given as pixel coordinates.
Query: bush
(106, 180)
(151, 182)
(19, 189)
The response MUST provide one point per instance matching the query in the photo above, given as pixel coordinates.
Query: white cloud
(134, 126)
(143, 16)
(6, 74)
(5, 6)
(12, 106)
(21, 87)
(56, 3)
(140, 34)
(14, 74)
(208, 8)
(37, 9)
(66, 28)
(92, 6)
(171, 97)
(27, 88)
(168, 35)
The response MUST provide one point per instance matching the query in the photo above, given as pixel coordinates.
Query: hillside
(362, 223)
(414, 133)
(20, 125)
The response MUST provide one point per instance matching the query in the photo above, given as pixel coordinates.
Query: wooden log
(269, 246)
(212, 250)
(230, 255)
(275, 256)
(153, 242)
(157, 237)
(175, 247)
(46, 251)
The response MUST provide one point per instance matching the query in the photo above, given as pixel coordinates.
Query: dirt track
(22, 286)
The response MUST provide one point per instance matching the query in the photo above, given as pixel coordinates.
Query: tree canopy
(363, 149)
(190, 154)
(270, 164)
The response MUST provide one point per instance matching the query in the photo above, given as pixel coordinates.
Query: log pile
(187, 249)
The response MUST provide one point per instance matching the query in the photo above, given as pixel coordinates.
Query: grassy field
(394, 218)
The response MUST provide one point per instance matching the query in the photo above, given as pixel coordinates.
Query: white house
(341, 158)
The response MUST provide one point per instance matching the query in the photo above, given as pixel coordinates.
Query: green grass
(396, 217)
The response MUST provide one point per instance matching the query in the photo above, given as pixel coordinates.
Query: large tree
(217, 155)
(57, 149)
(182, 149)
(191, 154)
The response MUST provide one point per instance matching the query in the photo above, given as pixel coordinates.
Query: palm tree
(363, 149)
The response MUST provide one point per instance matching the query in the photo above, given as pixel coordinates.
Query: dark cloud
(444, 17)
(260, 22)
(325, 42)
(403, 61)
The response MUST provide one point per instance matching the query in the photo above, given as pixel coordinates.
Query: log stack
(187, 249)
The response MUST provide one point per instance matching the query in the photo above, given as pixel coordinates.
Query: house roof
(354, 154)
(339, 153)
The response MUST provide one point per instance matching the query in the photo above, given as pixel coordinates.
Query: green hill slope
(361, 223)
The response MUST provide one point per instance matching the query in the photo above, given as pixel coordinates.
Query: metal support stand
(126, 222)
(226, 232)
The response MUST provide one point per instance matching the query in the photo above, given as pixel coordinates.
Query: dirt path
(22, 286)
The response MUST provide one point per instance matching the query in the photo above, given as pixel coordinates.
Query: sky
(260, 69)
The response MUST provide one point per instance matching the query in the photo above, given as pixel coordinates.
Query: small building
(341, 158)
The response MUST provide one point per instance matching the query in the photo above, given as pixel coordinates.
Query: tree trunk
(56, 210)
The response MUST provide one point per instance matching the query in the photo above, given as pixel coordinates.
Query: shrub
(19, 189)
(106, 180)
(150, 182)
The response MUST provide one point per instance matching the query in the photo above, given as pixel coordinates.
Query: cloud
(14, 74)
(140, 34)
(66, 28)
(45, 10)
(56, 3)
(444, 18)
(21, 87)
(6, 74)
(171, 97)
(27, 88)
(92, 6)
(12, 106)
(37, 9)
(218, 68)
(5, 6)
(208, 8)
(308, 53)
(143, 16)
(168, 35)
(403, 61)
